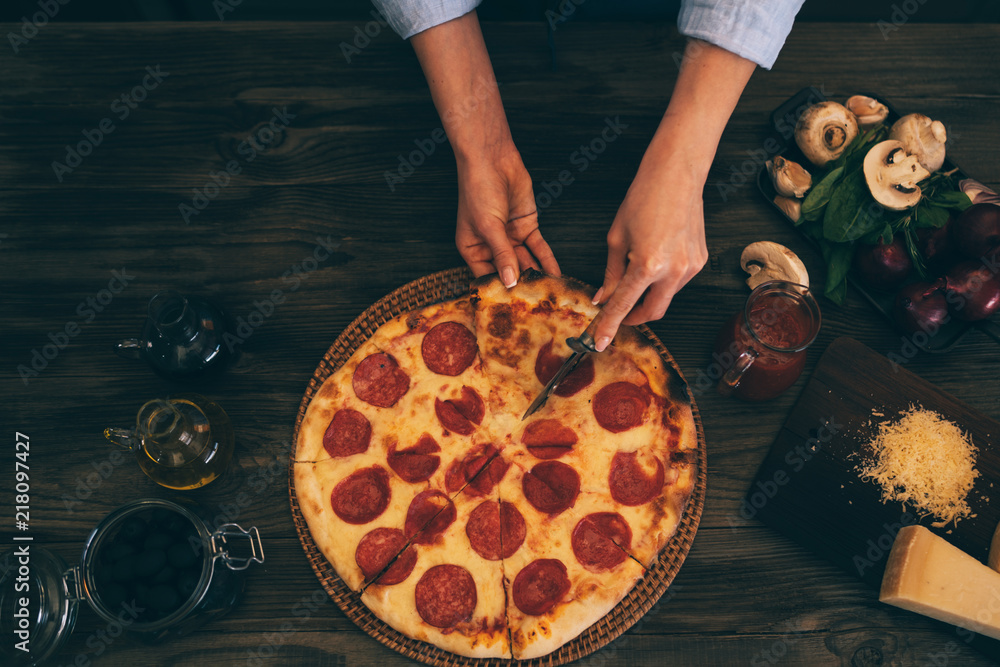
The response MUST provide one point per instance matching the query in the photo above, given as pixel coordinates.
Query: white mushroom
(790, 178)
(792, 208)
(765, 260)
(824, 130)
(869, 111)
(892, 175)
(922, 137)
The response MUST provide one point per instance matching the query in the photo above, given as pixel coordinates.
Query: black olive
(140, 593)
(150, 562)
(164, 598)
(174, 523)
(123, 570)
(158, 541)
(112, 595)
(182, 555)
(118, 550)
(187, 584)
(133, 529)
(163, 576)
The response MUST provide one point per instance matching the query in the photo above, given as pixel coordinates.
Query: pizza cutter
(581, 346)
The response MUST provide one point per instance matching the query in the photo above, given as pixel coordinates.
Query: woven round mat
(443, 286)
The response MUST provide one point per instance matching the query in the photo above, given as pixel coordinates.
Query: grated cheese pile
(926, 461)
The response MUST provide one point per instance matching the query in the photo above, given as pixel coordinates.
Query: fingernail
(597, 297)
(508, 276)
(602, 343)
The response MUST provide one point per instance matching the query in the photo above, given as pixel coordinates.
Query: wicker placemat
(442, 286)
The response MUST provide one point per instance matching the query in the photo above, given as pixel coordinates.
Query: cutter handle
(586, 339)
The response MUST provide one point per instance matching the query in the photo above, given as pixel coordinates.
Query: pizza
(464, 526)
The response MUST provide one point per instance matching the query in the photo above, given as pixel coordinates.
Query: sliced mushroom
(765, 260)
(922, 137)
(892, 175)
(792, 208)
(824, 130)
(790, 178)
(869, 111)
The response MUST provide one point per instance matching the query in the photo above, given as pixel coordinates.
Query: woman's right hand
(497, 226)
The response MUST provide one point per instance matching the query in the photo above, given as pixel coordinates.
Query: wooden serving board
(818, 499)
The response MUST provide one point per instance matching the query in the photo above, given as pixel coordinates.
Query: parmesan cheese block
(927, 575)
(994, 558)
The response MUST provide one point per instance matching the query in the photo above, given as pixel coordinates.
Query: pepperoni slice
(551, 487)
(417, 463)
(548, 364)
(445, 596)
(361, 496)
(429, 515)
(540, 586)
(495, 530)
(449, 348)
(548, 438)
(621, 406)
(481, 469)
(634, 481)
(378, 380)
(349, 433)
(489, 472)
(376, 550)
(461, 415)
(599, 540)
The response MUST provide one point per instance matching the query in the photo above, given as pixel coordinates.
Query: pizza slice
(447, 587)
(572, 566)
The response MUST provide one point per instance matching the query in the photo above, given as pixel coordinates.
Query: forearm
(460, 76)
(708, 88)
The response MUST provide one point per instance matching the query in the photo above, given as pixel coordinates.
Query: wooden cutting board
(808, 489)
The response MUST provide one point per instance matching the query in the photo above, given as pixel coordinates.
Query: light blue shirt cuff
(753, 29)
(408, 17)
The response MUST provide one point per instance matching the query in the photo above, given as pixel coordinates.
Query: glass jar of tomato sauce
(763, 347)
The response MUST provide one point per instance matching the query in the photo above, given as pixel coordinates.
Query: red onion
(883, 266)
(921, 307)
(972, 291)
(936, 248)
(976, 232)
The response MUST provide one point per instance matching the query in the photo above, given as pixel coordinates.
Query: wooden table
(745, 593)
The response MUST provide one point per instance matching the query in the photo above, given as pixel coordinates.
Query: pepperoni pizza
(462, 525)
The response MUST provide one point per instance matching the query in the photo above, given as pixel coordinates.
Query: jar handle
(731, 379)
(129, 348)
(220, 546)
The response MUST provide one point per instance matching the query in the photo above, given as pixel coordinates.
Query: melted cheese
(927, 575)
(925, 461)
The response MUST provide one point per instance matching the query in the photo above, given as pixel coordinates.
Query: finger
(525, 259)
(504, 257)
(620, 303)
(614, 272)
(478, 258)
(653, 305)
(542, 252)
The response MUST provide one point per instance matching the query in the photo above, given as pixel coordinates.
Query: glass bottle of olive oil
(182, 442)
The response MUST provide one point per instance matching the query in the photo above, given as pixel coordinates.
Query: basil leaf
(883, 235)
(930, 217)
(819, 195)
(852, 212)
(951, 199)
(838, 263)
